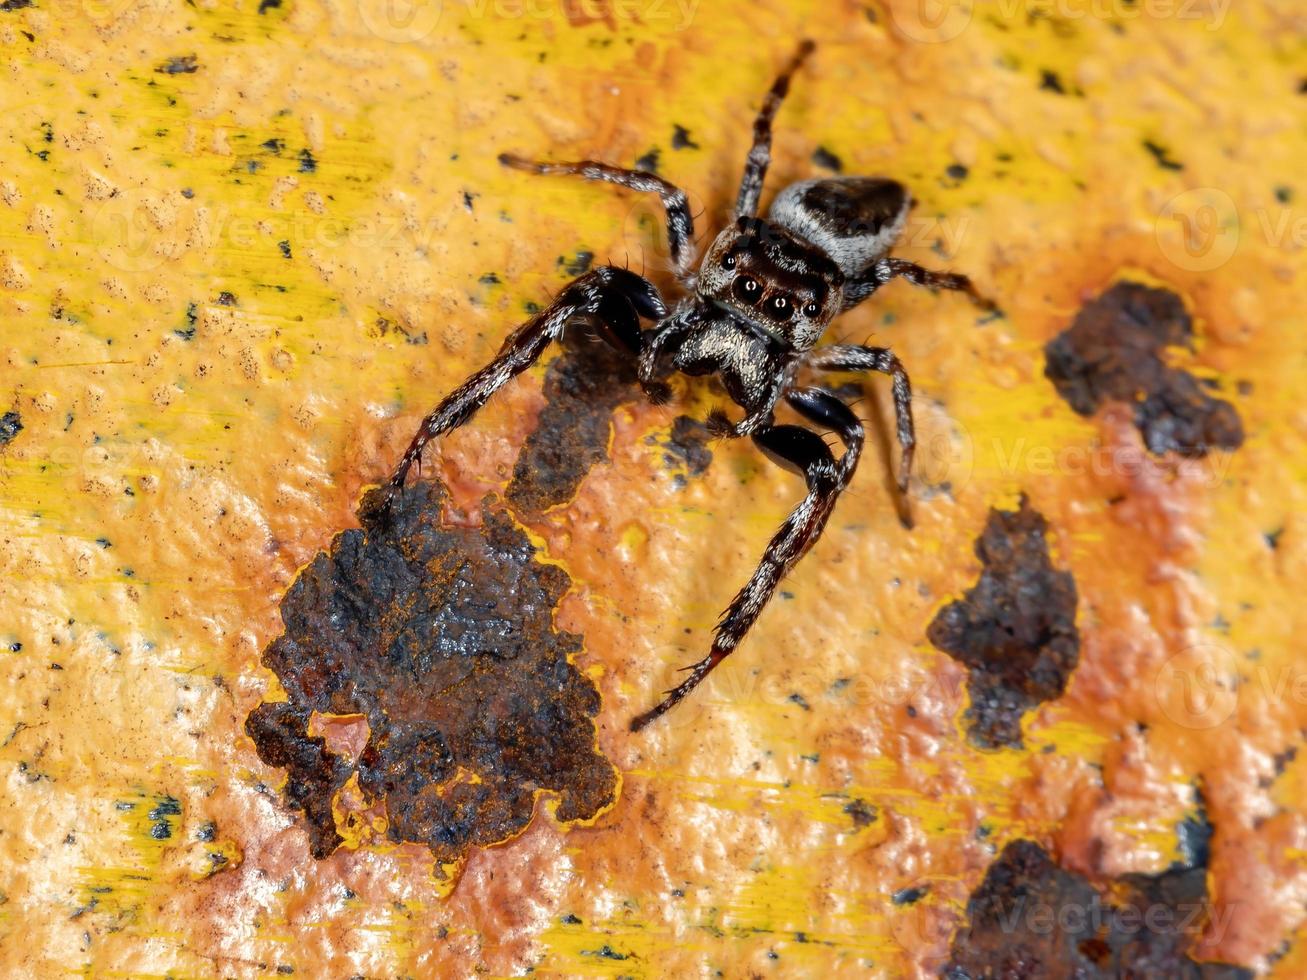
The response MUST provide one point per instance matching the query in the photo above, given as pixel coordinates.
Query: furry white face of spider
(785, 276)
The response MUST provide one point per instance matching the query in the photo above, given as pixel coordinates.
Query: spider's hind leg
(802, 451)
(612, 299)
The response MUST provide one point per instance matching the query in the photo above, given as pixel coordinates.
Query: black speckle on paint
(11, 423)
(273, 145)
(681, 138)
(17, 5)
(468, 198)
(308, 163)
(824, 158)
(184, 65)
(1163, 156)
(862, 813)
(285, 249)
(579, 265)
(1050, 82)
(192, 319)
(266, 5)
(649, 161)
(226, 299)
(907, 896)
(957, 171)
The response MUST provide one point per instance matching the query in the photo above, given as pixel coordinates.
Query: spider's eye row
(811, 310)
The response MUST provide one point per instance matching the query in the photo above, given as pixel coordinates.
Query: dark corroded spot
(1031, 919)
(1014, 630)
(1113, 352)
(442, 638)
(582, 388)
(11, 423)
(15, 4)
(681, 138)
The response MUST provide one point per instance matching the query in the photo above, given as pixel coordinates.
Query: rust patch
(1031, 919)
(443, 639)
(583, 386)
(1014, 630)
(1113, 352)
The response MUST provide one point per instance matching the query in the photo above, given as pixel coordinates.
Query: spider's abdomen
(854, 220)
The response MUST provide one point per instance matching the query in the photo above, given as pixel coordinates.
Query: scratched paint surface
(243, 247)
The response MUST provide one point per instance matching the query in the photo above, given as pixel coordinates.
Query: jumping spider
(762, 298)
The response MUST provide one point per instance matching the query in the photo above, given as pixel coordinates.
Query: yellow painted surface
(182, 457)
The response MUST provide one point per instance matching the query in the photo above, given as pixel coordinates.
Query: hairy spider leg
(882, 271)
(855, 357)
(755, 168)
(802, 451)
(614, 299)
(680, 223)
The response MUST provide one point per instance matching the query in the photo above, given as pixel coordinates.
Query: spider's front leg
(676, 206)
(612, 299)
(802, 451)
(887, 269)
(755, 168)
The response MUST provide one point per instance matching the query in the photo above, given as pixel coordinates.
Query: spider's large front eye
(780, 308)
(747, 289)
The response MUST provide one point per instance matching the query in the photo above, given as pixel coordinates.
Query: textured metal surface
(244, 247)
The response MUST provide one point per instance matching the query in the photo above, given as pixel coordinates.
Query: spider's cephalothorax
(755, 309)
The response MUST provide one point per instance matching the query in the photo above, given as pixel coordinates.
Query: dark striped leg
(884, 270)
(802, 451)
(855, 357)
(680, 223)
(611, 298)
(755, 168)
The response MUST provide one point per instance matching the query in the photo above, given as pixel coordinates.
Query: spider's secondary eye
(746, 288)
(811, 310)
(729, 261)
(781, 308)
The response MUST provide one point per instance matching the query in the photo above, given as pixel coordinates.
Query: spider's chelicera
(763, 296)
